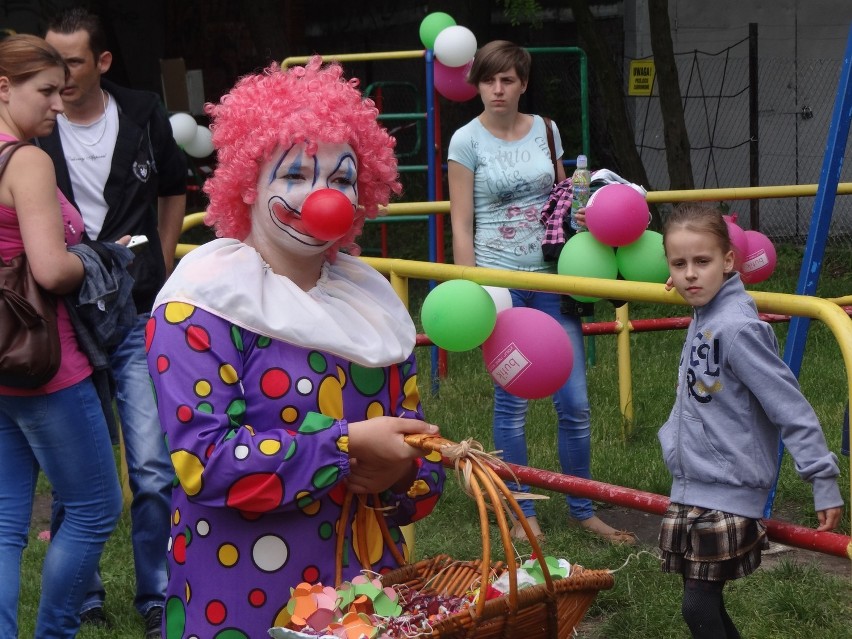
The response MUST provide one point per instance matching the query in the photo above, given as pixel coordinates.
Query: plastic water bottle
(581, 189)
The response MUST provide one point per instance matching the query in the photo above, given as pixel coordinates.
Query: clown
(283, 366)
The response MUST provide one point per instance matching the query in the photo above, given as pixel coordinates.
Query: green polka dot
(263, 341)
(237, 338)
(205, 407)
(304, 501)
(317, 362)
(368, 381)
(236, 412)
(315, 423)
(188, 535)
(406, 369)
(230, 633)
(291, 450)
(326, 530)
(175, 618)
(231, 434)
(326, 476)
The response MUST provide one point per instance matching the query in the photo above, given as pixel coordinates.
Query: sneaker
(95, 617)
(154, 623)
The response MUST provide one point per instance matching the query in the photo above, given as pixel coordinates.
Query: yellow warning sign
(641, 77)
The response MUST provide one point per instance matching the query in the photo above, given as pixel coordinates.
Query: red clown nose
(327, 214)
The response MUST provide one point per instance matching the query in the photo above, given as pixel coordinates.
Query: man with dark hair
(117, 160)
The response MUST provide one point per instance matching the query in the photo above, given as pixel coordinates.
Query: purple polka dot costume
(257, 429)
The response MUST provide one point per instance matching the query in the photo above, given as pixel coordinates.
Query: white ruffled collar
(352, 311)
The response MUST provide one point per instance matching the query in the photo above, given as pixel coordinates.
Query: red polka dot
(149, 333)
(275, 383)
(162, 364)
(338, 493)
(216, 612)
(197, 338)
(311, 574)
(184, 414)
(424, 507)
(257, 597)
(179, 549)
(258, 493)
(209, 450)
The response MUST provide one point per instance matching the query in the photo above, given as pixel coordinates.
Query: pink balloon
(617, 214)
(739, 242)
(528, 353)
(451, 82)
(760, 258)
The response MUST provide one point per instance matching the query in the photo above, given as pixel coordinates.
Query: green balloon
(584, 256)
(458, 315)
(432, 25)
(644, 260)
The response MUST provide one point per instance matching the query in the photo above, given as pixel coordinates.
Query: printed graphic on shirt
(703, 370)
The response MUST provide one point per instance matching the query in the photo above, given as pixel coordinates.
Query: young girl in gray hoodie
(735, 399)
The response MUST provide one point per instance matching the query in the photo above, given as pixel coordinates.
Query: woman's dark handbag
(30, 352)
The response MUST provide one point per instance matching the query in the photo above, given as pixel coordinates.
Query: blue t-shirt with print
(511, 183)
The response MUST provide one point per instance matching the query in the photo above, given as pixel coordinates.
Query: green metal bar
(401, 116)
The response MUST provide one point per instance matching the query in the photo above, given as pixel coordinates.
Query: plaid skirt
(710, 544)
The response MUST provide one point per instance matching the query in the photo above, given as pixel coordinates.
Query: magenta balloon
(451, 82)
(760, 258)
(617, 214)
(528, 353)
(739, 242)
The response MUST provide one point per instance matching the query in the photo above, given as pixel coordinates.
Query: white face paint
(286, 179)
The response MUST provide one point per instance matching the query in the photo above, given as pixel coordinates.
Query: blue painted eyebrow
(271, 177)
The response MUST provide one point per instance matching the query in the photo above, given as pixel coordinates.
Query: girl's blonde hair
(700, 218)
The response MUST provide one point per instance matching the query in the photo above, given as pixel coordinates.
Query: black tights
(704, 611)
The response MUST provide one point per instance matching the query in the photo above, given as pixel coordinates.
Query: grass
(789, 601)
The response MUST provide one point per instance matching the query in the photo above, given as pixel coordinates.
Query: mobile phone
(137, 243)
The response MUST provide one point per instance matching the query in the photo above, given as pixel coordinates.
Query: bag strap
(12, 145)
(552, 146)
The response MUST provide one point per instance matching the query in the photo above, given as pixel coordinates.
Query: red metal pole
(785, 533)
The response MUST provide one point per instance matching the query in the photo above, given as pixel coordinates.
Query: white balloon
(501, 296)
(455, 46)
(184, 127)
(201, 145)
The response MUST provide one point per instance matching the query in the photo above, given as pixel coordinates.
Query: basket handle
(479, 479)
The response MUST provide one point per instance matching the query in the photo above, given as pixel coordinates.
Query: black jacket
(146, 164)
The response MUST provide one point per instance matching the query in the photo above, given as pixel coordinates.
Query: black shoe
(154, 623)
(94, 617)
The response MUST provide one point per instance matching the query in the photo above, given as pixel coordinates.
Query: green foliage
(522, 11)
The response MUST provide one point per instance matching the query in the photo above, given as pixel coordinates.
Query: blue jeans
(65, 434)
(572, 411)
(150, 473)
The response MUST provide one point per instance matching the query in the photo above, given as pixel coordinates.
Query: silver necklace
(72, 126)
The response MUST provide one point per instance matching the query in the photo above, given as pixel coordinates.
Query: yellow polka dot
(330, 398)
(176, 312)
(412, 395)
(228, 374)
(188, 469)
(269, 446)
(419, 487)
(343, 444)
(434, 456)
(250, 429)
(375, 409)
(202, 388)
(188, 592)
(176, 516)
(375, 542)
(289, 415)
(312, 507)
(341, 376)
(228, 555)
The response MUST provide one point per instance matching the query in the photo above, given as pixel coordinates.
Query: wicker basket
(549, 610)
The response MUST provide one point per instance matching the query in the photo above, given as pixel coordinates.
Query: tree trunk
(676, 137)
(609, 82)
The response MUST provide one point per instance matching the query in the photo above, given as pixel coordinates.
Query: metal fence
(795, 102)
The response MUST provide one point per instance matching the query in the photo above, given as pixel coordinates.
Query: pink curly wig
(280, 108)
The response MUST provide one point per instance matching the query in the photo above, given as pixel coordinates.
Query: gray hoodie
(735, 397)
